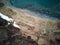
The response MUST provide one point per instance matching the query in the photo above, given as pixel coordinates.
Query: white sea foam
(14, 24)
(4, 17)
(9, 19)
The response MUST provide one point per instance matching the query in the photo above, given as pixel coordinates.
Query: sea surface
(48, 8)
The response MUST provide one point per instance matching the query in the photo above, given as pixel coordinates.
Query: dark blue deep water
(49, 7)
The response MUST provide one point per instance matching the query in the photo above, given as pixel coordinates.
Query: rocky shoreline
(30, 25)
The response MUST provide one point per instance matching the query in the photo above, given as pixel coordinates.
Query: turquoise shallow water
(49, 7)
(46, 3)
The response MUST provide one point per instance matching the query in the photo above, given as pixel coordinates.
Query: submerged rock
(1, 5)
